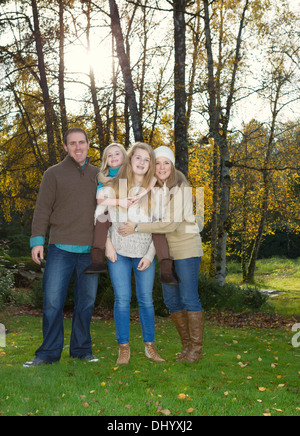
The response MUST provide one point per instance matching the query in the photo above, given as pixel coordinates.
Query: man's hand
(37, 254)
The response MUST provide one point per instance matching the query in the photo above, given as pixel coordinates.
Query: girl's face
(140, 162)
(163, 168)
(115, 157)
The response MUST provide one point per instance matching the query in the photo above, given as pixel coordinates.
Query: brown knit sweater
(66, 203)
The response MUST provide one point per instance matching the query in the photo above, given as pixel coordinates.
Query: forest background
(217, 81)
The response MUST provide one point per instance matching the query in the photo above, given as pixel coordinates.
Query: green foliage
(6, 277)
(229, 297)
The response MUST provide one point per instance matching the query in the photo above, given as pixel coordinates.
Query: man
(66, 204)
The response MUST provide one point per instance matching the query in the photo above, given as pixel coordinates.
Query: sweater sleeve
(173, 217)
(150, 253)
(44, 205)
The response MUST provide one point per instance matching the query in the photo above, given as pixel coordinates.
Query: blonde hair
(126, 173)
(104, 168)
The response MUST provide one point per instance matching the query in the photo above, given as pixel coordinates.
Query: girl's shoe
(124, 354)
(152, 354)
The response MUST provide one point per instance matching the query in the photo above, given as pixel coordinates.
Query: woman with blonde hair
(133, 253)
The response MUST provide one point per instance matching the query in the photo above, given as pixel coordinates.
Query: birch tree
(126, 71)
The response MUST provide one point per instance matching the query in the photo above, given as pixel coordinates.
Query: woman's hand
(110, 251)
(127, 229)
(144, 264)
(125, 202)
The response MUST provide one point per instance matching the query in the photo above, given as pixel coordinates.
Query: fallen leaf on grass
(181, 397)
(243, 365)
(166, 412)
(190, 410)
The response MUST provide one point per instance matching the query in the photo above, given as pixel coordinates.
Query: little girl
(114, 157)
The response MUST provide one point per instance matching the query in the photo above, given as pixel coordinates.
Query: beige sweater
(179, 225)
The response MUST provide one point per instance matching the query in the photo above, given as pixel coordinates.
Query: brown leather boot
(167, 273)
(180, 320)
(124, 354)
(98, 262)
(196, 327)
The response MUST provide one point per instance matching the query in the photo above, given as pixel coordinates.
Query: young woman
(135, 252)
(185, 247)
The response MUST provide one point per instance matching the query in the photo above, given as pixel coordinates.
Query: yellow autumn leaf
(181, 396)
(191, 410)
(262, 389)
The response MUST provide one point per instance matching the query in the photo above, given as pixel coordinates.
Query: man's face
(77, 147)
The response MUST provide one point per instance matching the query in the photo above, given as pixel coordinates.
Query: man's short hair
(75, 130)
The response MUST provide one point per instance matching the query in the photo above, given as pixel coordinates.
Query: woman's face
(140, 162)
(163, 168)
(115, 157)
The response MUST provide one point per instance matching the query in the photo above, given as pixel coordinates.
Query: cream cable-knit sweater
(138, 245)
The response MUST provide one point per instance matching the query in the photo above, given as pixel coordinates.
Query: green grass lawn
(278, 274)
(244, 372)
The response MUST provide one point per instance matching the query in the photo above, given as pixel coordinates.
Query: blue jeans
(120, 274)
(185, 295)
(60, 267)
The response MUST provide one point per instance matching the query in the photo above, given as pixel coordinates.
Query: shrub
(229, 297)
(6, 278)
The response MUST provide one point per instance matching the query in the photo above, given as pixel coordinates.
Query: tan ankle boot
(180, 320)
(196, 327)
(124, 354)
(152, 354)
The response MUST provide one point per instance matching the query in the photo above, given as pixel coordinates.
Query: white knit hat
(165, 152)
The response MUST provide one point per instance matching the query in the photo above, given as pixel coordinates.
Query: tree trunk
(126, 71)
(61, 74)
(257, 243)
(218, 130)
(181, 138)
(97, 112)
(44, 85)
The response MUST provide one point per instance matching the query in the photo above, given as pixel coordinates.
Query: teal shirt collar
(113, 172)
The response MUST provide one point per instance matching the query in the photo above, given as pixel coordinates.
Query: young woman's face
(115, 157)
(163, 168)
(140, 162)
